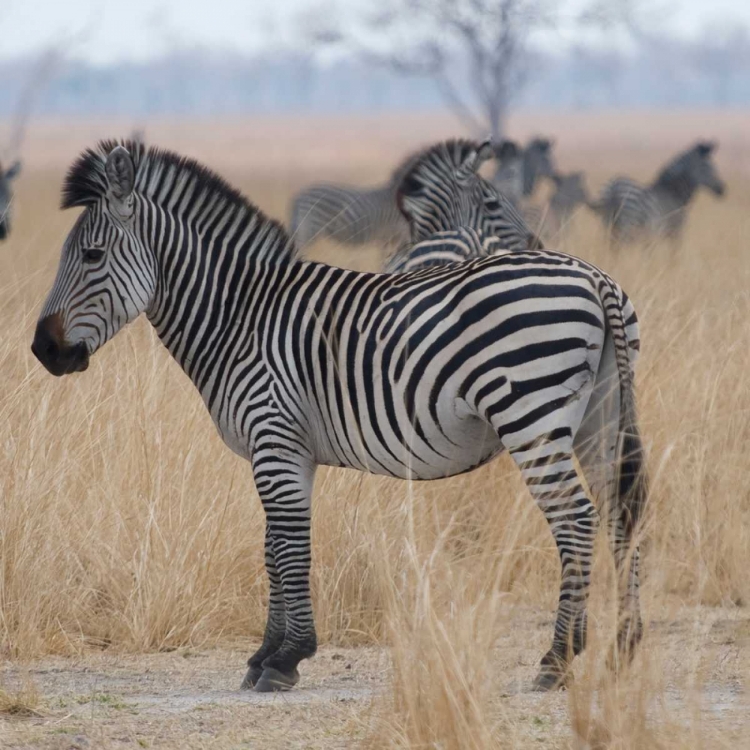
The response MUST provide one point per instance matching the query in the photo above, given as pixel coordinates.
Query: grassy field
(132, 586)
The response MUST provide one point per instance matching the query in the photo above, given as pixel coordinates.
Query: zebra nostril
(51, 349)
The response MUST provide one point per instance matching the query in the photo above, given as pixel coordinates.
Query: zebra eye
(92, 254)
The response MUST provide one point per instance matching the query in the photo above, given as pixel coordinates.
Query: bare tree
(476, 51)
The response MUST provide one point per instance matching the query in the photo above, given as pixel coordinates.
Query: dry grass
(126, 525)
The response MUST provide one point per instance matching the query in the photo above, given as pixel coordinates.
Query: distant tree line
(661, 71)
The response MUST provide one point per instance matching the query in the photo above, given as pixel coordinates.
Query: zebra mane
(86, 183)
(448, 154)
(676, 167)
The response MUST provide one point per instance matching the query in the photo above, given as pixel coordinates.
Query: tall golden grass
(126, 524)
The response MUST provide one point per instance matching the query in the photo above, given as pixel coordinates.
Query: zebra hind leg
(596, 447)
(549, 472)
(275, 624)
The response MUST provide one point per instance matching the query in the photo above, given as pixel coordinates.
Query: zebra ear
(13, 171)
(120, 172)
(485, 151)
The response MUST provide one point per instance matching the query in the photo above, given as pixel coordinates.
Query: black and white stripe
(349, 214)
(519, 170)
(452, 246)
(6, 197)
(443, 190)
(632, 211)
(417, 375)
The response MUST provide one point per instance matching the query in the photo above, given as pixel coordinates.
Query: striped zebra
(451, 246)
(520, 170)
(569, 195)
(418, 375)
(6, 196)
(443, 190)
(633, 212)
(348, 214)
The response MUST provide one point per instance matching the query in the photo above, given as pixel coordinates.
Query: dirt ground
(189, 698)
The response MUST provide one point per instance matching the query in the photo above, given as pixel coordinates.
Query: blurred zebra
(569, 195)
(417, 375)
(6, 197)
(632, 211)
(520, 170)
(349, 214)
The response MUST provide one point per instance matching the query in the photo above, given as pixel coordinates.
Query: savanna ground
(132, 586)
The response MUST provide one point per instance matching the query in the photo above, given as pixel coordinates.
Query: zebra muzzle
(51, 349)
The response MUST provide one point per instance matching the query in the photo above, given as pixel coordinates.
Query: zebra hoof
(251, 678)
(547, 681)
(273, 681)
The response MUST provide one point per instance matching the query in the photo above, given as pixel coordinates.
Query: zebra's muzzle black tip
(58, 357)
(3, 230)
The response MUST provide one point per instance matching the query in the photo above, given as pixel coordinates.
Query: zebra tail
(632, 478)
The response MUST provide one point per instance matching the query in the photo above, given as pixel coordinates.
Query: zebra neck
(678, 187)
(211, 284)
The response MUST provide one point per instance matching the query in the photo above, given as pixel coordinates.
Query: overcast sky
(139, 29)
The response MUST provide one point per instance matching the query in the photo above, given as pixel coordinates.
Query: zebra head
(6, 196)
(537, 163)
(702, 168)
(507, 151)
(690, 170)
(442, 188)
(107, 273)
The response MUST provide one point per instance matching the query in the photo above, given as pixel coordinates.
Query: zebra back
(348, 214)
(451, 246)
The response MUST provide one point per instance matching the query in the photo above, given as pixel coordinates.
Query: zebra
(519, 170)
(419, 375)
(569, 194)
(442, 190)
(509, 178)
(633, 211)
(348, 214)
(6, 196)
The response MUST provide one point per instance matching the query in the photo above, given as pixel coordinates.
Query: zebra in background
(348, 214)
(7, 176)
(633, 211)
(568, 196)
(520, 170)
(509, 178)
(442, 190)
(418, 375)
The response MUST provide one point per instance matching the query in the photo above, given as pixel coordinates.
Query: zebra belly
(459, 443)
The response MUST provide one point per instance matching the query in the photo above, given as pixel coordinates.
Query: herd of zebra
(630, 211)
(475, 341)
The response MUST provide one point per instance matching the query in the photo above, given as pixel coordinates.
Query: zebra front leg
(275, 624)
(285, 485)
(549, 472)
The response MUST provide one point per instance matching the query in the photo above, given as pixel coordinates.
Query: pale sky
(139, 29)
